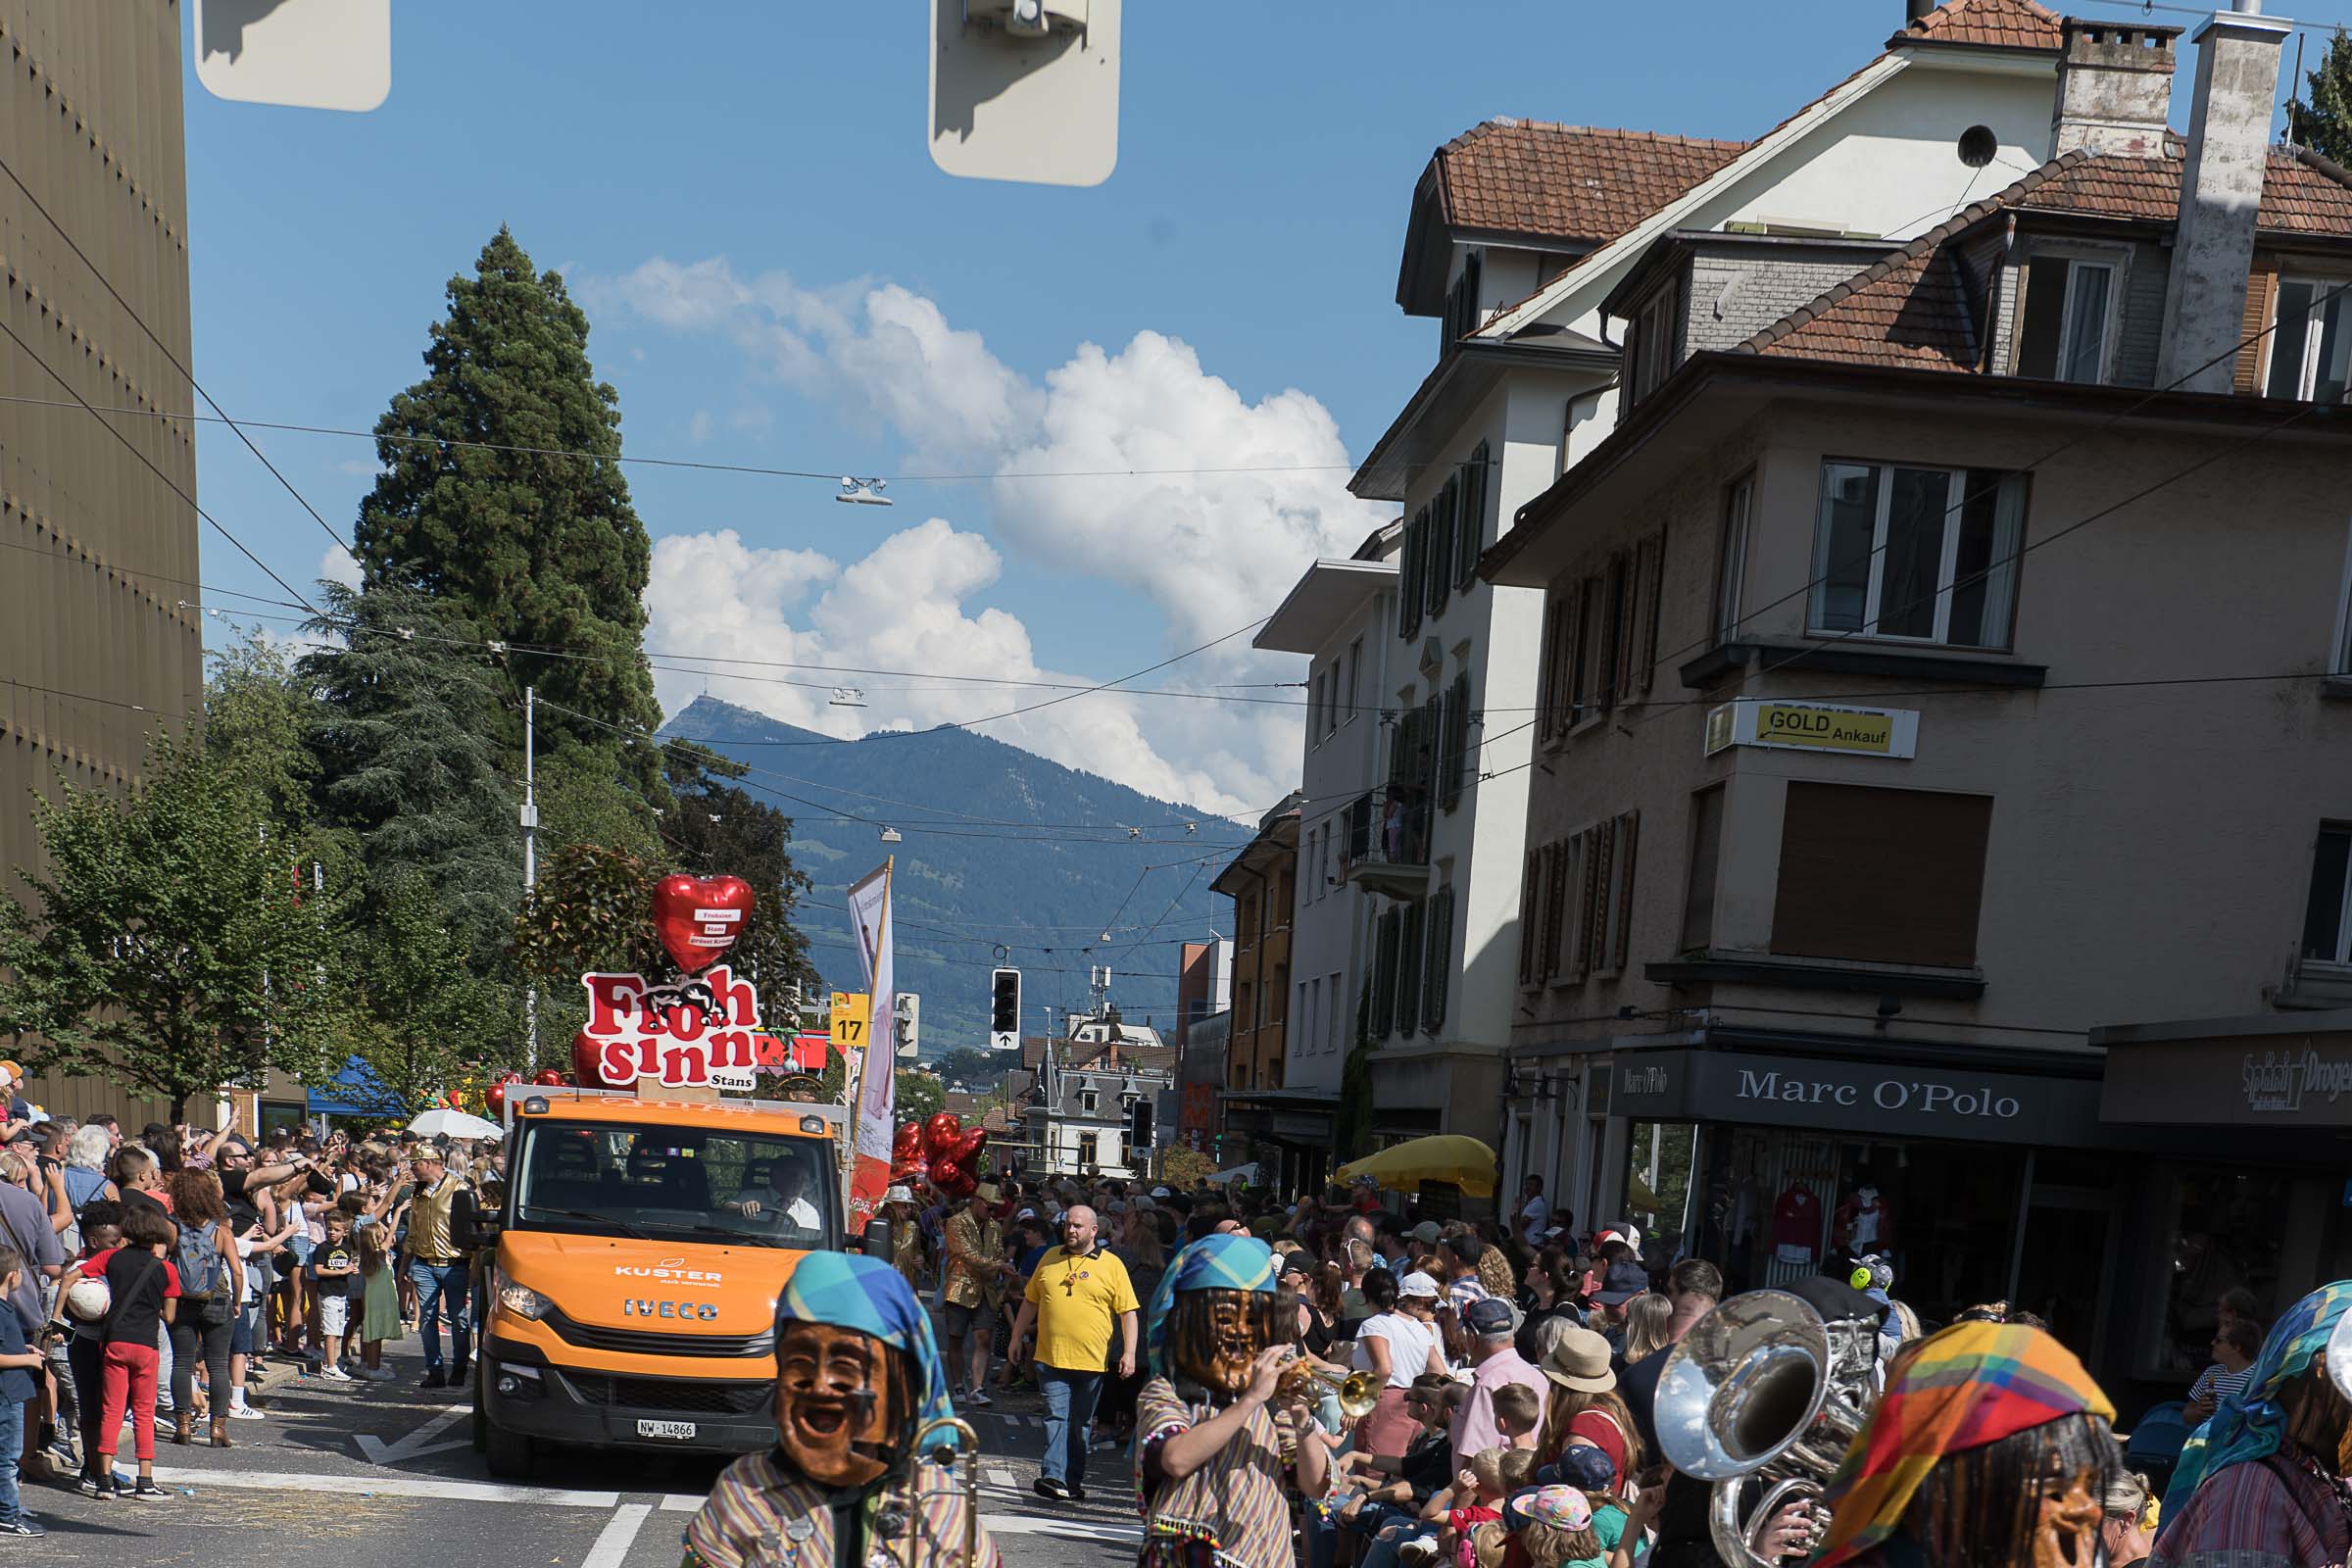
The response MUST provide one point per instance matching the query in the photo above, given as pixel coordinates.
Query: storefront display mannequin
(1990, 1448)
(857, 1375)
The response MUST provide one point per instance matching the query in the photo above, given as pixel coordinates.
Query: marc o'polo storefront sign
(1881, 1097)
(1813, 727)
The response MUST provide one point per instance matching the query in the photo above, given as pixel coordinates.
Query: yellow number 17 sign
(850, 1011)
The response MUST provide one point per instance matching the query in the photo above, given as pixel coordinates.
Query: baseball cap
(1622, 1283)
(1159, 1192)
(1491, 1316)
(1426, 1233)
(1027, 1213)
(1417, 1283)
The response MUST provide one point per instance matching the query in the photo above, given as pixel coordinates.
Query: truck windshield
(612, 1178)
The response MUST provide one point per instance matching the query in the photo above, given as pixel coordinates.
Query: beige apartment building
(1938, 839)
(98, 545)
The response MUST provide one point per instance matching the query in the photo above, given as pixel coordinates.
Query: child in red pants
(145, 1292)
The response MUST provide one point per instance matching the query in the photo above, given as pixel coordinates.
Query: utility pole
(530, 870)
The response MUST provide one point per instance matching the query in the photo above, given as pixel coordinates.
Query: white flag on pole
(869, 911)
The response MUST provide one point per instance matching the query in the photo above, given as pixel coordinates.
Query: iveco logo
(633, 1308)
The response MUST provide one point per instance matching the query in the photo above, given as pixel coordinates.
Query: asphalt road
(385, 1476)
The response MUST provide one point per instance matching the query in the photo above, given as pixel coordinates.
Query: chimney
(1914, 10)
(2221, 189)
(2115, 83)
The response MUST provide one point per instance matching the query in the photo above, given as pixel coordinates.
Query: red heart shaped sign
(699, 919)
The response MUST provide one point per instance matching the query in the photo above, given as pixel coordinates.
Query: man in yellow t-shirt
(1079, 1290)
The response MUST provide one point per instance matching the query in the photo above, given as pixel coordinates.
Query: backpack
(199, 1261)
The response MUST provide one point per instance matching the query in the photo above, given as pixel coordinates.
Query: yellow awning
(1445, 1157)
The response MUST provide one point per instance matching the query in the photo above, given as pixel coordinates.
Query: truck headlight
(523, 1301)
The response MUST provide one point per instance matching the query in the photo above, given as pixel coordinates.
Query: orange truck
(639, 1250)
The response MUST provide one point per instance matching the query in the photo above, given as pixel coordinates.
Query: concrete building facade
(100, 611)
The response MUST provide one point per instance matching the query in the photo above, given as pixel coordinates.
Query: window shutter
(1593, 911)
(1547, 661)
(1408, 575)
(1408, 972)
(1629, 828)
(1881, 875)
(2262, 287)
(1453, 755)
(1471, 518)
(1556, 907)
(1650, 565)
(1563, 675)
(1530, 903)
(1440, 962)
(1384, 978)
(1440, 579)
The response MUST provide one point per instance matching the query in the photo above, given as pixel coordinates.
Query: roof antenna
(2295, 95)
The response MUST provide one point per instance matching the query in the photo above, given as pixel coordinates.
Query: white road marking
(999, 1477)
(416, 1441)
(1022, 1524)
(612, 1543)
(391, 1486)
(680, 1503)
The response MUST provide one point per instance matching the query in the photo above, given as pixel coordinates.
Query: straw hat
(1579, 1360)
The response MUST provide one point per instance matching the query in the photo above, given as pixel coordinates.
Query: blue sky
(777, 275)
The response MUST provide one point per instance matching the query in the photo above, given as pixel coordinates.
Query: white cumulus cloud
(1166, 480)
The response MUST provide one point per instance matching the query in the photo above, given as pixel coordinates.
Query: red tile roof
(1572, 182)
(1911, 309)
(2301, 193)
(1993, 23)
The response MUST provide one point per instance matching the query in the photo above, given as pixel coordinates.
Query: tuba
(1763, 1388)
(903, 1516)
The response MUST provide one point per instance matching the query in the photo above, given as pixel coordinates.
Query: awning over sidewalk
(356, 1091)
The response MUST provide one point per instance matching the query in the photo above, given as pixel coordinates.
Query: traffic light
(1139, 1125)
(1005, 1009)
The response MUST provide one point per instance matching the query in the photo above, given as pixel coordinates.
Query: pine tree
(404, 731)
(2324, 125)
(529, 533)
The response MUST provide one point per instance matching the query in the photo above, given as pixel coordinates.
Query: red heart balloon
(938, 1133)
(496, 1094)
(968, 1147)
(547, 1078)
(584, 1068)
(951, 1179)
(908, 1142)
(699, 919)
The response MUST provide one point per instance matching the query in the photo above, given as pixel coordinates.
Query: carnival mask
(837, 1410)
(1230, 1336)
(2065, 1531)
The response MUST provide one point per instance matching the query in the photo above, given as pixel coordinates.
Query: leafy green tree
(919, 1095)
(427, 1018)
(974, 1070)
(528, 530)
(174, 942)
(2324, 125)
(404, 728)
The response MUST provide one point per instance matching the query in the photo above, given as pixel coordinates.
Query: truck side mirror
(876, 1243)
(470, 1226)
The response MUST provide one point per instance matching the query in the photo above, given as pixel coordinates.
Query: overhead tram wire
(829, 475)
(146, 462)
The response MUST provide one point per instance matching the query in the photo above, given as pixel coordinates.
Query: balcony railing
(1388, 840)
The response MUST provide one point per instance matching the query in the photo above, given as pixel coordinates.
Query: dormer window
(1462, 315)
(1651, 350)
(2310, 352)
(2070, 317)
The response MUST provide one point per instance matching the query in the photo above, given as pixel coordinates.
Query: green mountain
(996, 845)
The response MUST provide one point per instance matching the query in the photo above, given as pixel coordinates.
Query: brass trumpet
(908, 1515)
(1358, 1391)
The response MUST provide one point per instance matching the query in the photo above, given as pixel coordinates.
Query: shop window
(2227, 1230)
(1707, 849)
(1880, 875)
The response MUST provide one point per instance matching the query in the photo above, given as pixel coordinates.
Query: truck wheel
(511, 1455)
